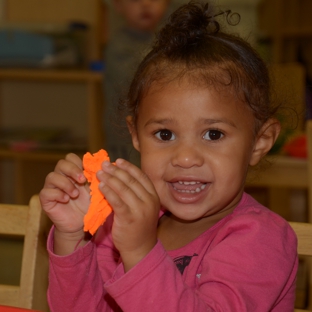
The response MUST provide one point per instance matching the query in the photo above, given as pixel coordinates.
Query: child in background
(124, 51)
(183, 235)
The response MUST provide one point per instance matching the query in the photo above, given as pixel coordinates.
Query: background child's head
(142, 15)
(192, 46)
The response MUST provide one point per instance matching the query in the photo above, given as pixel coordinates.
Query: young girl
(183, 235)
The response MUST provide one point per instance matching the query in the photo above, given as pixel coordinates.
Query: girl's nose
(187, 156)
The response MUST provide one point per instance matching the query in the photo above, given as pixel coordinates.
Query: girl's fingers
(56, 180)
(75, 159)
(131, 175)
(114, 199)
(118, 193)
(48, 197)
(128, 194)
(137, 173)
(71, 167)
(128, 187)
(67, 176)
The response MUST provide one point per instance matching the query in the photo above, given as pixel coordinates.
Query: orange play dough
(99, 208)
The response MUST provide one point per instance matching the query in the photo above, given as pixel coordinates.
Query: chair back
(304, 235)
(29, 222)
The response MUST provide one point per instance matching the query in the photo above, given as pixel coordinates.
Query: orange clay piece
(99, 208)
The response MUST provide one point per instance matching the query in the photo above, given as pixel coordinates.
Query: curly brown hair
(191, 45)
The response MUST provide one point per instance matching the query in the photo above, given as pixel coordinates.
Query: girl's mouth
(190, 187)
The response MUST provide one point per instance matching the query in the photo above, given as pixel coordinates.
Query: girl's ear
(133, 132)
(266, 138)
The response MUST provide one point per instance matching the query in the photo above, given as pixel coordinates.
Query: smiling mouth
(190, 187)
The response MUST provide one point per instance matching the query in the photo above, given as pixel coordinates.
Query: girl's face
(196, 145)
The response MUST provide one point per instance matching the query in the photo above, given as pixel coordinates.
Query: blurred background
(53, 68)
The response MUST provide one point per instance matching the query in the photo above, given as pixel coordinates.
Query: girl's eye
(165, 135)
(213, 135)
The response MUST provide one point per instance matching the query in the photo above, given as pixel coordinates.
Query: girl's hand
(65, 199)
(136, 208)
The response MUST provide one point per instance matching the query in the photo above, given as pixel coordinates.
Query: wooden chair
(288, 176)
(30, 222)
(304, 235)
(291, 174)
(309, 168)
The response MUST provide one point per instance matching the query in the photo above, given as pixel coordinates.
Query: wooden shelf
(93, 13)
(28, 173)
(73, 75)
(33, 155)
(289, 33)
(60, 12)
(297, 32)
(285, 23)
(57, 13)
(283, 171)
(93, 81)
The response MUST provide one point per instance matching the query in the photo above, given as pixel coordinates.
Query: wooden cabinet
(287, 25)
(30, 168)
(62, 12)
(26, 170)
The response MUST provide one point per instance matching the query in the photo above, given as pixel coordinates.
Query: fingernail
(119, 161)
(81, 178)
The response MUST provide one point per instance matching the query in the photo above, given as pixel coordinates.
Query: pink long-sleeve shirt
(245, 262)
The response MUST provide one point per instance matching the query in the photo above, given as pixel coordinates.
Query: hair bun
(189, 24)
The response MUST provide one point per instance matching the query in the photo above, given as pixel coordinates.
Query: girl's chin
(184, 214)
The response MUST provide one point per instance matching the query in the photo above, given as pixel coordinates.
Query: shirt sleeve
(76, 281)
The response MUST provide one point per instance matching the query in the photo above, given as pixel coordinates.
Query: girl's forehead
(192, 82)
(177, 90)
(185, 104)
(193, 76)
(185, 91)
(225, 79)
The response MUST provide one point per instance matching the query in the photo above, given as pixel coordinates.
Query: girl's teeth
(197, 190)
